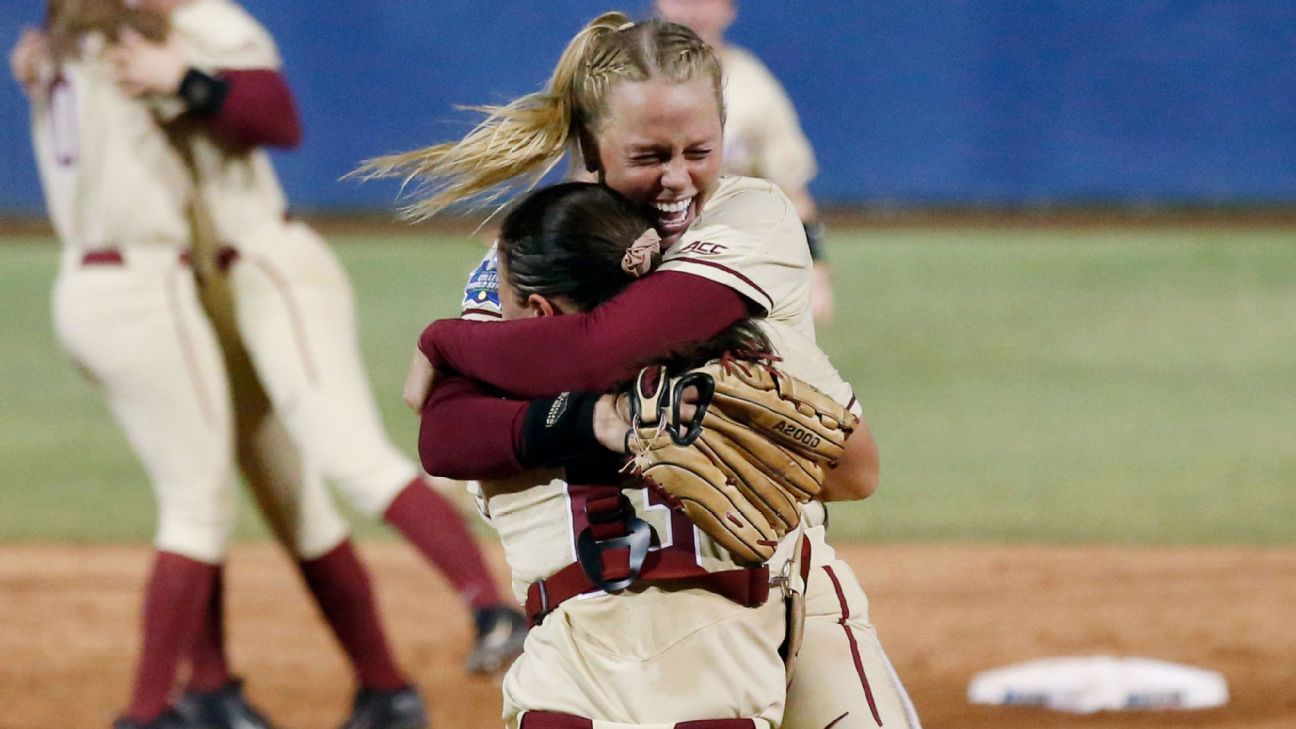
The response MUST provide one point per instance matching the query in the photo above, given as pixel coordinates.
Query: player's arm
(856, 474)
(545, 356)
(467, 432)
(247, 106)
(28, 55)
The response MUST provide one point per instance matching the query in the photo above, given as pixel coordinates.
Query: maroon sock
(341, 588)
(177, 596)
(436, 528)
(210, 668)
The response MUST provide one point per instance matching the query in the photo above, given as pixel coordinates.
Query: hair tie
(625, 26)
(638, 257)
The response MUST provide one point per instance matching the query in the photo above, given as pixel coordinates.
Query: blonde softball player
(643, 101)
(127, 310)
(295, 312)
(763, 137)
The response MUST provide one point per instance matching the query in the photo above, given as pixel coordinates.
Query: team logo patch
(704, 248)
(482, 292)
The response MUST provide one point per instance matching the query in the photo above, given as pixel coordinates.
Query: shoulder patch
(481, 295)
(704, 248)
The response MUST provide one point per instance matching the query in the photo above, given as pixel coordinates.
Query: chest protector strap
(613, 554)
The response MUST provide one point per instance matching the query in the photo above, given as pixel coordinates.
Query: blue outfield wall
(908, 103)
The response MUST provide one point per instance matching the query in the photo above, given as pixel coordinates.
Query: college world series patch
(481, 295)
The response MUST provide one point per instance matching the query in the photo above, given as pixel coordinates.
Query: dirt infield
(68, 618)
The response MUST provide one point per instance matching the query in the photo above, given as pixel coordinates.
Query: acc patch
(481, 295)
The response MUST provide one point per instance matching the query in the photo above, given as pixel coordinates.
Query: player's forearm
(258, 110)
(467, 433)
(545, 356)
(856, 474)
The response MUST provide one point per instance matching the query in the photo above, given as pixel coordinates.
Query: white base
(1084, 685)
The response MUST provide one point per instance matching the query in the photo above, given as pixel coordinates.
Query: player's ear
(589, 151)
(540, 306)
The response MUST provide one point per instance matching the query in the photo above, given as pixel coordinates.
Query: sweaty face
(659, 145)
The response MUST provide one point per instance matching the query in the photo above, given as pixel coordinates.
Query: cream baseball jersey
(750, 239)
(109, 173)
(763, 137)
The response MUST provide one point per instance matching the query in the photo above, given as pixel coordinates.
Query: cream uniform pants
(842, 677)
(652, 657)
(296, 317)
(137, 328)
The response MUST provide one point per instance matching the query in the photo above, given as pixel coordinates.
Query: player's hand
(28, 55)
(144, 67)
(821, 293)
(612, 421)
(612, 417)
(418, 382)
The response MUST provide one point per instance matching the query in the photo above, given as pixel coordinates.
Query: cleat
(382, 709)
(224, 708)
(167, 720)
(501, 631)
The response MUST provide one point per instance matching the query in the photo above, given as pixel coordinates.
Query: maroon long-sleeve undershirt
(545, 356)
(258, 110)
(468, 433)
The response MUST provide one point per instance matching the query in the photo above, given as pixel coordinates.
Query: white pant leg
(291, 494)
(652, 657)
(296, 314)
(137, 329)
(842, 675)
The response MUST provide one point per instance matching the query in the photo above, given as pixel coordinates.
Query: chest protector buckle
(631, 534)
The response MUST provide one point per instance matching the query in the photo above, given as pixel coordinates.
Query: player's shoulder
(752, 201)
(738, 62)
(481, 300)
(223, 30)
(745, 216)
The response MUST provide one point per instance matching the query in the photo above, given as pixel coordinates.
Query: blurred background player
(763, 137)
(129, 312)
(220, 70)
(126, 290)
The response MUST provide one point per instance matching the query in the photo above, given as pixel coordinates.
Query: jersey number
(672, 529)
(63, 121)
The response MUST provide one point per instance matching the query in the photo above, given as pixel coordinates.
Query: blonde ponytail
(516, 144)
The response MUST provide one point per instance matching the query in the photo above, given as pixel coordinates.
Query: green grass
(1088, 385)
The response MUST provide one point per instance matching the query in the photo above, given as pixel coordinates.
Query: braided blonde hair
(518, 143)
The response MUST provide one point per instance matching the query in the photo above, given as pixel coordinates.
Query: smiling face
(659, 144)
